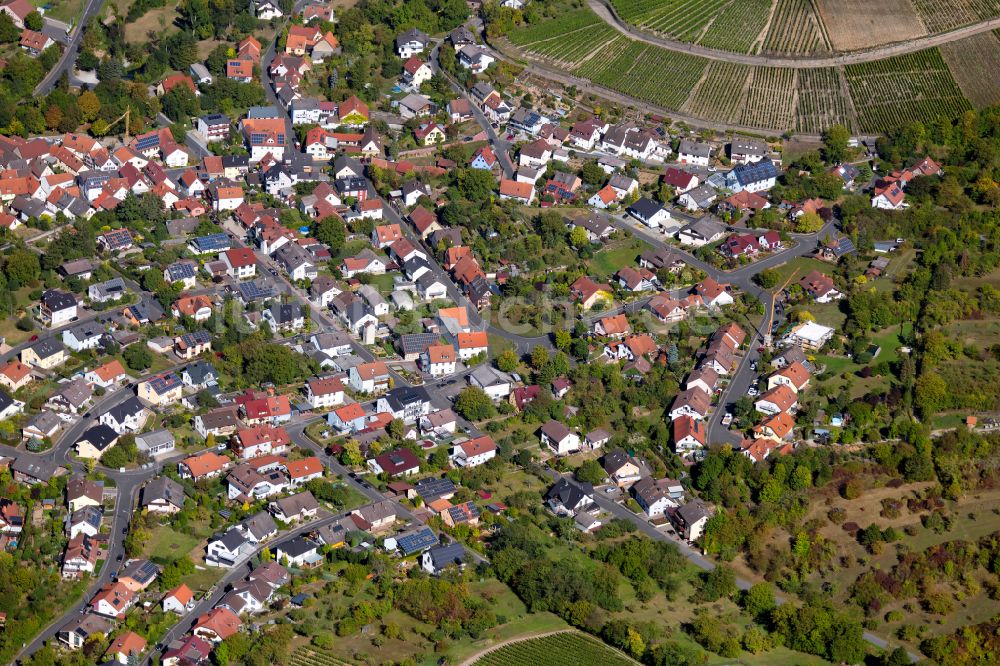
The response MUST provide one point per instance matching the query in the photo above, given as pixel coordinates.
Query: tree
(351, 454)
(8, 31)
(758, 601)
(137, 357)
(591, 472)
(592, 174)
(578, 237)
(22, 266)
(330, 231)
(768, 278)
(90, 105)
(808, 223)
(930, 393)
(475, 184)
(34, 21)
(835, 142)
(473, 404)
(563, 339)
(539, 357)
(507, 360)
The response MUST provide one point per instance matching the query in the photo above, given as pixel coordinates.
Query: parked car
(727, 419)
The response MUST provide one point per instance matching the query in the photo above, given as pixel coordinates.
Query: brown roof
(615, 325)
(685, 426)
(206, 463)
(781, 396)
(796, 373)
(479, 445)
(222, 621)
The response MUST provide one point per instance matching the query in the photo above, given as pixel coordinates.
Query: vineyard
(681, 19)
(567, 40)
(770, 99)
(795, 28)
(648, 73)
(562, 649)
(306, 656)
(916, 86)
(974, 62)
(867, 97)
(738, 26)
(821, 101)
(940, 16)
(721, 92)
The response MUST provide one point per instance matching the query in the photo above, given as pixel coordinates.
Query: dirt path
(607, 14)
(517, 639)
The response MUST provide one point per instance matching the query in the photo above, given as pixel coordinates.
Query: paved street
(68, 60)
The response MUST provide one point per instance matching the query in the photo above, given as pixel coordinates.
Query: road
(500, 146)
(606, 11)
(68, 59)
(742, 279)
(236, 573)
(606, 503)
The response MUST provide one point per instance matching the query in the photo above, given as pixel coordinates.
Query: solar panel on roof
(416, 541)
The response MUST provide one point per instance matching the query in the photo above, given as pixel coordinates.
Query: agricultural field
(567, 41)
(563, 649)
(681, 19)
(941, 16)
(974, 62)
(307, 656)
(795, 28)
(910, 87)
(821, 101)
(860, 24)
(770, 99)
(737, 27)
(720, 93)
(649, 73)
(555, 28)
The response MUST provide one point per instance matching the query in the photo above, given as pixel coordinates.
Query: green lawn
(616, 255)
(383, 283)
(67, 11)
(799, 267)
(165, 543)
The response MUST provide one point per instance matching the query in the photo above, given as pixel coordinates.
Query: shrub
(852, 489)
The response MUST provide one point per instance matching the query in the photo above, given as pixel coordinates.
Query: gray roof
(165, 489)
(99, 436)
(151, 440)
(693, 511)
(442, 556)
(297, 503)
(697, 148)
(47, 347)
(260, 525)
(89, 514)
(489, 376)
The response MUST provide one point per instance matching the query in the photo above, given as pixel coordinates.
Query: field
(646, 72)
(795, 28)
(682, 19)
(720, 93)
(910, 87)
(974, 62)
(159, 21)
(566, 649)
(860, 24)
(821, 101)
(940, 16)
(568, 40)
(738, 26)
(866, 97)
(771, 98)
(621, 253)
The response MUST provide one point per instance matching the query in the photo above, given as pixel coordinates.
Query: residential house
(558, 437)
(162, 495)
(474, 452)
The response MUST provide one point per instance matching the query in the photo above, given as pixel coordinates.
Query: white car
(752, 391)
(727, 419)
